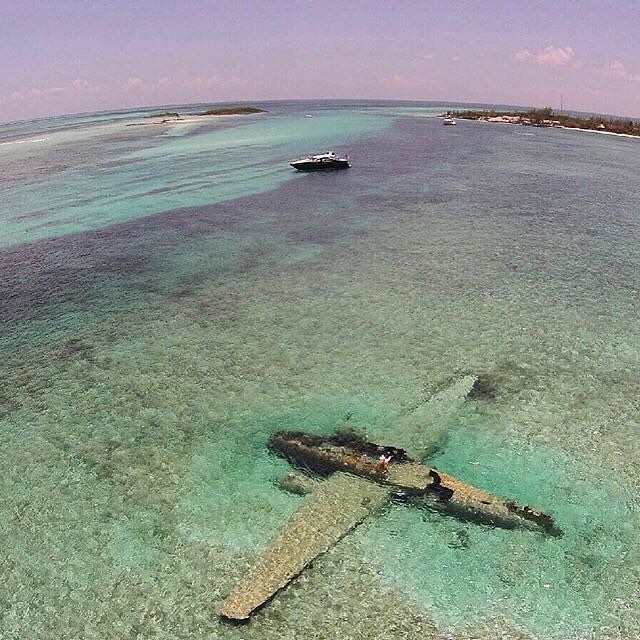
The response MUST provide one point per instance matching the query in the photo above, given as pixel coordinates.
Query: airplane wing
(423, 431)
(334, 508)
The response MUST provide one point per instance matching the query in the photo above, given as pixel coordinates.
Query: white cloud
(399, 81)
(84, 86)
(198, 82)
(549, 57)
(36, 94)
(429, 56)
(617, 69)
(133, 83)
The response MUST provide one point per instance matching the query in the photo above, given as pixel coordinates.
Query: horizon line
(124, 110)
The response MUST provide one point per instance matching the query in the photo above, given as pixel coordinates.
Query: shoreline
(601, 132)
(547, 118)
(554, 126)
(190, 119)
(598, 131)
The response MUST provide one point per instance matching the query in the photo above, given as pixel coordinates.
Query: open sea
(170, 295)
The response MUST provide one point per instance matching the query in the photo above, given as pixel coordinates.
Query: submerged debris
(484, 387)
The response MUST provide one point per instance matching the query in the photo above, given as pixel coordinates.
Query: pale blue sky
(65, 56)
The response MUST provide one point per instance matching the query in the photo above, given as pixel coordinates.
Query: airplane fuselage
(406, 478)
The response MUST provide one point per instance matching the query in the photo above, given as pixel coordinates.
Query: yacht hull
(320, 165)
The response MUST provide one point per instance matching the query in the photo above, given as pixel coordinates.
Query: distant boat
(308, 115)
(449, 120)
(321, 162)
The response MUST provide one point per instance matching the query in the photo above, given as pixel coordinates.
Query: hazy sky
(66, 56)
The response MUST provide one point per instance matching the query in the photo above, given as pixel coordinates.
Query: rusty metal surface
(335, 507)
(404, 476)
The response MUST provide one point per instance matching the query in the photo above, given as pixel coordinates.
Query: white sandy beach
(606, 133)
(189, 119)
(600, 131)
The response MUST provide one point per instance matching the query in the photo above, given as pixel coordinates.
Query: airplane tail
(423, 432)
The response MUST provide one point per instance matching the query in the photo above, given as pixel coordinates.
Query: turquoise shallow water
(171, 296)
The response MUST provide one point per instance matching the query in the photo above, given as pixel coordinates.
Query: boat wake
(2, 144)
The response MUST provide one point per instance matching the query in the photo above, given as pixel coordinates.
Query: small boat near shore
(449, 120)
(321, 162)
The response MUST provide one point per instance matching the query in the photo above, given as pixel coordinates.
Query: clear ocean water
(172, 294)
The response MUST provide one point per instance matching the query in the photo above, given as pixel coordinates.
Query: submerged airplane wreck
(361, 479)
(406, 478)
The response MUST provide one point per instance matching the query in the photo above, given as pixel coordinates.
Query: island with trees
(173, 117)
(546, 117)
(166, 114)
(231, 111)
